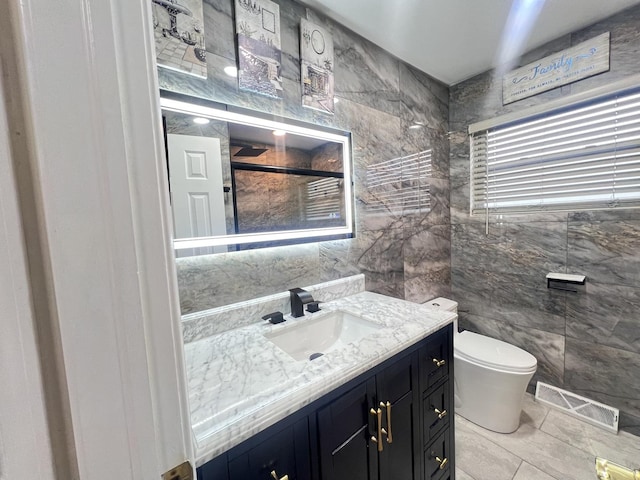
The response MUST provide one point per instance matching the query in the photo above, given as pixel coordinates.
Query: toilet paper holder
(565, 281)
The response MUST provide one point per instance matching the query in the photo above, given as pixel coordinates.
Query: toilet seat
(493, 353)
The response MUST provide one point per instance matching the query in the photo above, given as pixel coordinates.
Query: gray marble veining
(377, 254)
(214, 280)
(519, 248)
(606, 251)
(606, 315)
(205, 323)
(606, 374)
(517, 299)
(219, 31)
(365, 73)
(240, 383)
(422, 99)
(427, 263)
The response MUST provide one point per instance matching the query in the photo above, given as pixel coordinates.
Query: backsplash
(588, 343)
(203, 324)
(402, 254)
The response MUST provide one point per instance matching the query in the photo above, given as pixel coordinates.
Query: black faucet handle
(274, 317)
(314, 306)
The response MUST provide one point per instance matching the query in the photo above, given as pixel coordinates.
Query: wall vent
(590, 411)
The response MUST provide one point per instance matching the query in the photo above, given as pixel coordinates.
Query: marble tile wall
(588, 342)
(406, 256)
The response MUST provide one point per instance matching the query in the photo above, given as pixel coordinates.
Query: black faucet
(299, 298)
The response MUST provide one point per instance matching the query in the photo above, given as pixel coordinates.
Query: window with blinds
(581, 156)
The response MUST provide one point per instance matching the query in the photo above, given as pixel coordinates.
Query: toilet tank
(446, 304)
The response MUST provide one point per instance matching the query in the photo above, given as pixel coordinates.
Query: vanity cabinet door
(397, 386)
(285, 452)
(345, 428)
(216, 469)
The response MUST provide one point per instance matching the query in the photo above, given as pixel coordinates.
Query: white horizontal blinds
(324, 199)
(400, 185)
(580, 157)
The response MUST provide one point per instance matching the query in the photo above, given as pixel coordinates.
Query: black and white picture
(178, 28)
(259, 49)
(316, 54)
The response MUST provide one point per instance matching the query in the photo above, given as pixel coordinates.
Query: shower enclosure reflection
(239, 180)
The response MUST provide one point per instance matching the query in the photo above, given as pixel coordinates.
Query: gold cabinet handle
(443, 463)
(440, 414)
(438, 363)
(388, 431)
(378, 414)
(275, 476)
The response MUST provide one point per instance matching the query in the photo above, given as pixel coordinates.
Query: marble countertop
(240, 383)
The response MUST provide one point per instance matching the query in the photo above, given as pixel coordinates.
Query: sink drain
(313, 356)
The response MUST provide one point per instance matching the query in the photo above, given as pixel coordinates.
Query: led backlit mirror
(241, 180)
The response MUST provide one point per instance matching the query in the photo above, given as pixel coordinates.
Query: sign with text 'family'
(575, 63)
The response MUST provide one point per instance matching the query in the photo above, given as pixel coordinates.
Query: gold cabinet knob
(274, 475)
(442, 462)
(440, 414)
(438, 363)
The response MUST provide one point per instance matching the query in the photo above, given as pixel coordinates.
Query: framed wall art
(259, 49)
(316, 62)
(178, 27)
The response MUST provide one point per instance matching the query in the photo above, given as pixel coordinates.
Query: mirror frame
(197, 106)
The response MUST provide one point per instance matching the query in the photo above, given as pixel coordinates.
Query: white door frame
(89, 98)
(24, 438)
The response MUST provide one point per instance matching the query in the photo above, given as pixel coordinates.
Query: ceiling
(453, 40)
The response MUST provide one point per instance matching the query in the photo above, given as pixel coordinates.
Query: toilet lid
(494, 353)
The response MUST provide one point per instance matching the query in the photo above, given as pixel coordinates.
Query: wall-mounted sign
(573, 64)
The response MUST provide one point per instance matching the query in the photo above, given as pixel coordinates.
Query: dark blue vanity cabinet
(371, 432)
(395, 422)
(436, 384)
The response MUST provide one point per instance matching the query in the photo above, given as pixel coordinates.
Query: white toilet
(490, 376)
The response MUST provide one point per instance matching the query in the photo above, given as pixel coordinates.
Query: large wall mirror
(240, 179)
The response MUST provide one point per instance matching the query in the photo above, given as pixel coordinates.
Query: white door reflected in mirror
(197, 199)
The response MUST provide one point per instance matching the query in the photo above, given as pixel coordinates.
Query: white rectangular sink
(321, 334)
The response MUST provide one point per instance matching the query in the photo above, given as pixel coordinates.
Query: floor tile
(622, 448)
(529, 472)
(539, 449)
(483, 459)
(533, 413)
(462, 475)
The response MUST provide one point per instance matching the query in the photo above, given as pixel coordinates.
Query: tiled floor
(549, 445)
